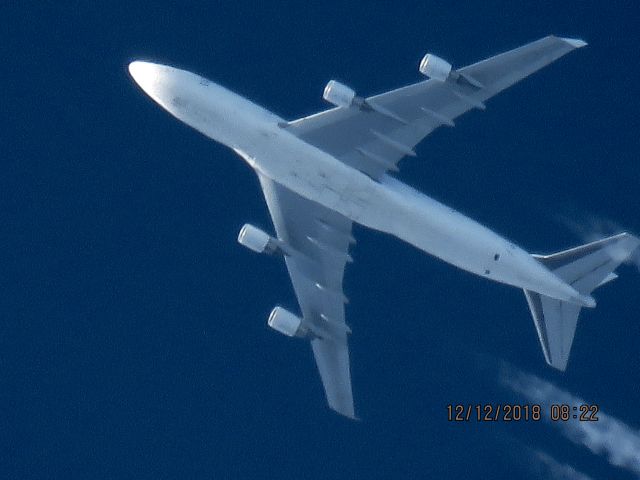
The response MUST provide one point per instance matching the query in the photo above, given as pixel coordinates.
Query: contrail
(616, 441)
(534, 463)
(549, 467)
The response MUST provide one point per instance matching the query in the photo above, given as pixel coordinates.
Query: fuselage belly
(388, 205)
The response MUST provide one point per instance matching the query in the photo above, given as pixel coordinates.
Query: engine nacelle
(255, 239)
(435, 67)
(338, 94)
(287, 323)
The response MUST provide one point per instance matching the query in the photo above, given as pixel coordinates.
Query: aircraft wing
(318, 240)
(374, 139)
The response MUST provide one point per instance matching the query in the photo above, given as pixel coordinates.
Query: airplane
(322, 173)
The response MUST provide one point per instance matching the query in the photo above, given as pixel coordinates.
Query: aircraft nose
(145, 74)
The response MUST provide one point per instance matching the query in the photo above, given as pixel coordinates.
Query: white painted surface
(389, 206)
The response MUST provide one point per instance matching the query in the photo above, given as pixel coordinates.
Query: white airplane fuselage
(387, 205)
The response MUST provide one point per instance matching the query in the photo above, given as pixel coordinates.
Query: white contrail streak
(554, 469)
(616, 441)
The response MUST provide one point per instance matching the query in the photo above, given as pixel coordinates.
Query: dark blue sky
(133, 336)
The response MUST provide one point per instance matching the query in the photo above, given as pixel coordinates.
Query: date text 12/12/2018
(521, 412)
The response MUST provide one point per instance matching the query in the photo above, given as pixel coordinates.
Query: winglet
(575, 42)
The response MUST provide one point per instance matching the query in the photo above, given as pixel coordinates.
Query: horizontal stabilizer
(556, 323)
(585, 268)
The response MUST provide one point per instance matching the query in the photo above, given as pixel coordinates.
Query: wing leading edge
(318, 240)
(373, 140)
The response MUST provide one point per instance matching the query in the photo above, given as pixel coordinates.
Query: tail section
(585, 268)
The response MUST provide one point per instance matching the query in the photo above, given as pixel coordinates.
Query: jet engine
(255, 239)
(435, 67)
(287, 323)
(338, 94)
